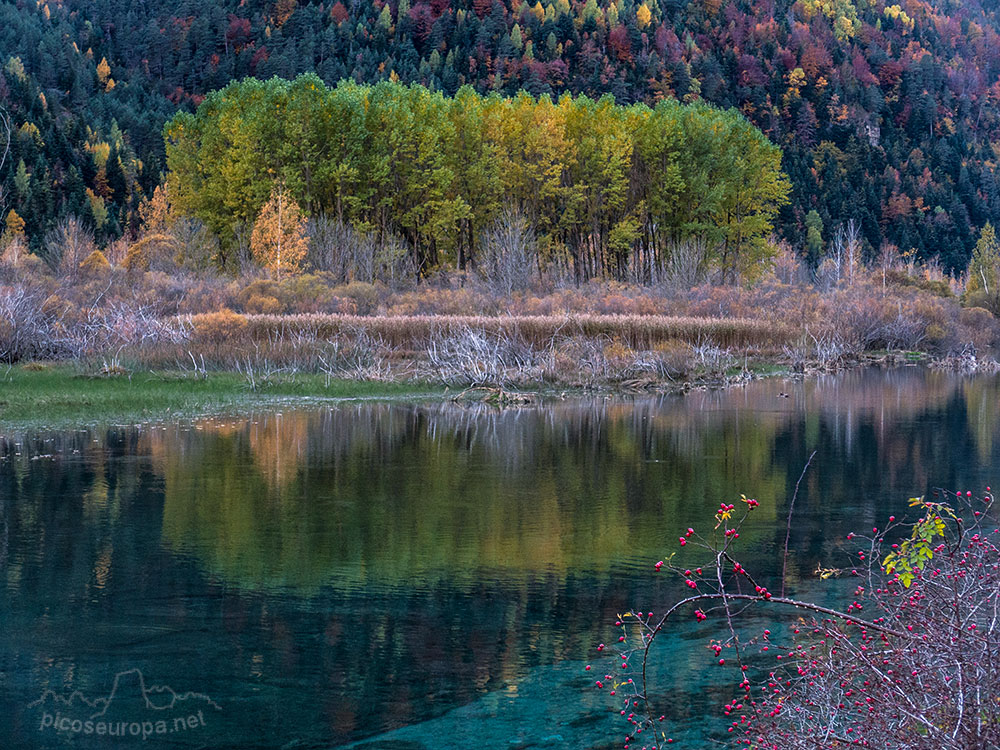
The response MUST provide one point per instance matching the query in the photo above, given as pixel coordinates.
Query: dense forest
(886, 114)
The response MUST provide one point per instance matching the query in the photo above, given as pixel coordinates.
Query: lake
(417, 576)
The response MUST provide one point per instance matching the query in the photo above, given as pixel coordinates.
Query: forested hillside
(886, 114)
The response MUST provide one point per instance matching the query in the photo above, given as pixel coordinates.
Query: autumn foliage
(885, 112)
(278, 242)
(603, 190)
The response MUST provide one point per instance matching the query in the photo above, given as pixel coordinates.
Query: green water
(425, 576)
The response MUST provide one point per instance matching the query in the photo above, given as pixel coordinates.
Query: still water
(419, 576)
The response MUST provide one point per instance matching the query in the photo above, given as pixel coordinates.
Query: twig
(788, 525)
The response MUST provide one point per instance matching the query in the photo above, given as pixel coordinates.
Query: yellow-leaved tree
(279, 242)
(643, 15)
(13, 245)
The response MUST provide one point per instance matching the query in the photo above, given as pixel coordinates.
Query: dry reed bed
(416, 331)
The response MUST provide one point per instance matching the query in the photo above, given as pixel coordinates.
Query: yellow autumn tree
(278, 242)
(643, 15)
(12, 242)
(14, 227)
(103, 70)
(156, 214)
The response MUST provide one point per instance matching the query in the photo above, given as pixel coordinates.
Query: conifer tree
(984, 270)
(814, 236)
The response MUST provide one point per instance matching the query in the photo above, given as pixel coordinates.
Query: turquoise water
(425, 576)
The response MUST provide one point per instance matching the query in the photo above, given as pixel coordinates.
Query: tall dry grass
(416, 331)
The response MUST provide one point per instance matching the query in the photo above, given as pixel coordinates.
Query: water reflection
(331, 575)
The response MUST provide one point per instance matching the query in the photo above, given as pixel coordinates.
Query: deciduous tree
(278, 241)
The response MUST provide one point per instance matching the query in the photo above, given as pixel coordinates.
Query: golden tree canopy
(156, 213)
(278, 242)
(15, 226)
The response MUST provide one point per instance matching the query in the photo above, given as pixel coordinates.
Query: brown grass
(634, 331)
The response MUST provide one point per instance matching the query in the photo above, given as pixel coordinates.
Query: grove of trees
(607, 191)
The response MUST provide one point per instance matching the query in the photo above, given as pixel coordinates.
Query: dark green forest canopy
(886, 113)
(608, 189)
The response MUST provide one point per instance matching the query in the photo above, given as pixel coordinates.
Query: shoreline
(59, 395)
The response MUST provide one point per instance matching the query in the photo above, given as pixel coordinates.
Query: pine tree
(643, 15)
(984, 271)
(814, 236)
(103, 70)
(22, 181)
(516, 39)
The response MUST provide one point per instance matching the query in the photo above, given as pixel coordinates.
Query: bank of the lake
(39, 394)
(60, 394)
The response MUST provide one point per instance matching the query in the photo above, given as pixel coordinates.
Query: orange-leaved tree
(279, 242)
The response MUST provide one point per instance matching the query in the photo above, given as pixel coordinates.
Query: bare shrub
(363, 294)
(685, 264)
(109, 329)
(197, 248)
(257, 368)
(669, 359)
(188, 246)
(712, 358)
(827, 275)
(154, 251)
(478, 357)
(369, 258)
(432, 300)
(967, 361)
(218, 327)
(116, 251)
(357, 357)
(25, 326)
(263, 304)
(829, 349)
(204, 295)
(333, 245)
(67, 245)
(508, 253)
(241, 259)
(95, 264)
(977, 331)
(787, 267)
(844, 258)
(616, 362)
(14, 252)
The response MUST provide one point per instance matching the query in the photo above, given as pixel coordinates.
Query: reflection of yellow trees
(885, 400)
(278, 442)
(981, 406)
(409, 495)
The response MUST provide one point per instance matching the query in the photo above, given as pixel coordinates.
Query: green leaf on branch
(913, 554)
